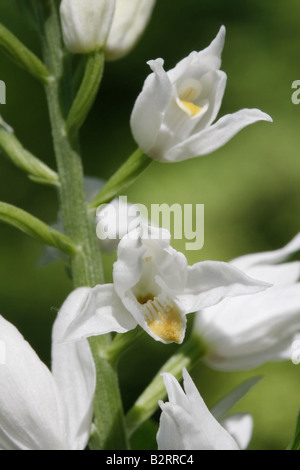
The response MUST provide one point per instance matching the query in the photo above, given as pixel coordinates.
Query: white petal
(268, 257)
(91, 312)
(148, 112)
(74, 371)
(206, 60)
(279, 275)
(86, 24)
(188, 419)
(214, 87)
(240, 427)
(215, 136)
(209, 282)
(32, 413)
(130, 20)
(242, 333)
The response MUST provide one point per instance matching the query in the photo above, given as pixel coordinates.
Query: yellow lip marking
(191, 108)
(164, 320)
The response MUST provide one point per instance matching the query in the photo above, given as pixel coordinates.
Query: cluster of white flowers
(247, 311)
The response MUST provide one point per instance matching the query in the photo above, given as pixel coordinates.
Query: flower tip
(156, 64)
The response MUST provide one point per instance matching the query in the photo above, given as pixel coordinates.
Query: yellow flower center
(192, 108)
(163, 318)
(189, 91)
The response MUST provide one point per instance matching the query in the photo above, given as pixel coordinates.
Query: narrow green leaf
(87, 92)
(228, 402)
(36, 228)
(295, 445)
(22, 158)
(124, 177)
(22, 56)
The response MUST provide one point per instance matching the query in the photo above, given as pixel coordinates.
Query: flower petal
(215, 136)
(281, 274)
(240, 427)
(149, 108)
(32, 413)
(91, 312)
(268, 257)
(243, 333)
(86, 24)
(186, 418)
(130, 20)
(74, 371)
(208, 282)
(204, 61)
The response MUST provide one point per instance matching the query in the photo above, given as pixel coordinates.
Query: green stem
(123, 178)
(86, 266)
(187, 356)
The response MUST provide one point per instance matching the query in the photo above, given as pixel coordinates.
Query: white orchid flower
(187, 424)
(40, 410)
(153, 287)
(130, 20)
(245, 332)
(86, 24)
(173, 115)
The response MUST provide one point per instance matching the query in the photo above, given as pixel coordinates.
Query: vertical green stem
(86, 265)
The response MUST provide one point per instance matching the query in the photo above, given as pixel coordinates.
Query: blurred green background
(250, 187)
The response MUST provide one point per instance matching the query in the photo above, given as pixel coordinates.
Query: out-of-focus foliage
(250, 187)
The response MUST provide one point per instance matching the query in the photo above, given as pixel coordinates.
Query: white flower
(153, 287)
(86, 24)
(245, 332)
(130, 20)
(173, 115)
(40, 410)
(187, 424)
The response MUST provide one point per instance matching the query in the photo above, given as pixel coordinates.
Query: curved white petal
(242, 333)
(74, 371)
(215, 136)
(268, 257)
(92, 312)
(279, 274)
(32, 413)
(148, 112)
(187, 418)
(130, 20)
(240, 427)
(86, 24)
(206, 60)
(208, 282)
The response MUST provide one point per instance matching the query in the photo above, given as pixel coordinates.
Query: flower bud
(86, 24)
(130, 19)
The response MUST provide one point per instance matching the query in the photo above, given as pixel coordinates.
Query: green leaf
(22, 158)
(22, 56)
(87, 93)
(36, 228)
(224, 406)
(124, 177)
(295, 445)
